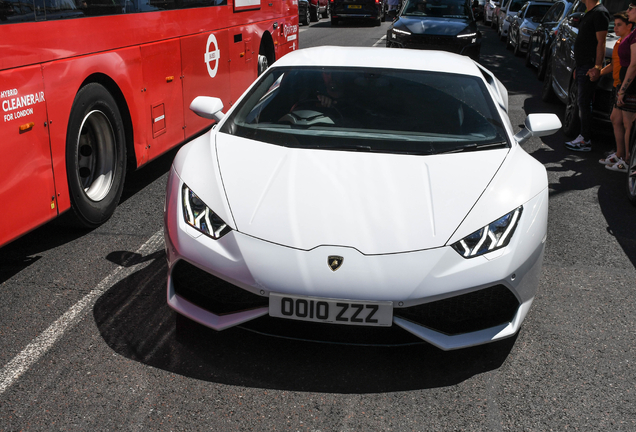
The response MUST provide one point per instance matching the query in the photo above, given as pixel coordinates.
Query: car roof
(389, 58)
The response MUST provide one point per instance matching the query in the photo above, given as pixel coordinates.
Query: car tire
(313, 14)
(543, 62)
(631, 173)
(517, 51)
(528, 53)
(571, 121)
(508, 43)
(306, 18)
(334, 21)
(547, 92)
(383, 19)
(95, 155)
(325, 14)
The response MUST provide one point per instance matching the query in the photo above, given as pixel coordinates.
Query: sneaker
(611, 159)
(619, 166)
(577, 140)
(584, 146)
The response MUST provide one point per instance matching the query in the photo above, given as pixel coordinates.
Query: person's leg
(585, 93)
(619, 130)
(628, 122)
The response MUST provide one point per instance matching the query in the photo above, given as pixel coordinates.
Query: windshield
(537, 11)
(438, 8)
(378, 110)
(516, 5)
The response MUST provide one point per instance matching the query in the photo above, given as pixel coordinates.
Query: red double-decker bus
(91, 88)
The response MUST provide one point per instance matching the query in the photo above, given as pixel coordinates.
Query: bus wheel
(95, 155)
(263, 63)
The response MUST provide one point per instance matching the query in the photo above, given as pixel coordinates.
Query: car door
(563, 63)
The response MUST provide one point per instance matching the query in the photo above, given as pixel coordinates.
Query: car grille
(211, 293)
(465, 313)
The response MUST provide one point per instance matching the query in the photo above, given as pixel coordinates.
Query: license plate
(354, 6)
(334, 311)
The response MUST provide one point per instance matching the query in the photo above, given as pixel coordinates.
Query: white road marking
(21, 363)
(381, 40)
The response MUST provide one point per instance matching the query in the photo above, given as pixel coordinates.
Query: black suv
(446, 25)
(374, 10)
(559, 81)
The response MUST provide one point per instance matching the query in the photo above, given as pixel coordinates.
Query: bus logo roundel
(212, 56)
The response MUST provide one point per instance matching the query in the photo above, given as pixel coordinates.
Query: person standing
(589, 52)
(622, 27)
(626, 99)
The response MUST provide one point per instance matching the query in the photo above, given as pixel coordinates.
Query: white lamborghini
(364, 187)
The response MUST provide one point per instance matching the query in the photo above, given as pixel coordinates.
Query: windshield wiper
(354, 147)
(474, 147)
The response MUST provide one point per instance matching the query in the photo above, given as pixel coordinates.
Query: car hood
(433, 26)
(375, 203)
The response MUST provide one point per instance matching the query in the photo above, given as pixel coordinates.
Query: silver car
(525, 23)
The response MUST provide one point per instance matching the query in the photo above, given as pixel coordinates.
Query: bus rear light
(26, 127)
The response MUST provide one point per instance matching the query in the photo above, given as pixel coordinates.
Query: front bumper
(470, 47)
(437, 295)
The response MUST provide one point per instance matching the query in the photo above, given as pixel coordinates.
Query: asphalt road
(87, 341)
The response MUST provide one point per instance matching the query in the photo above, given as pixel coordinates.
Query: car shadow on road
(135, 321)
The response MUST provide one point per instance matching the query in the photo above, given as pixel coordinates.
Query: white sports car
(366, 187)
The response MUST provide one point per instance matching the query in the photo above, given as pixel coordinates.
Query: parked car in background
(489, 11)
(478, 9)
(559, 83)
(446, 25)
(505, 16)
(538, 52)
(318, 9)
(374, 10)
(524, 23)
(304, 16)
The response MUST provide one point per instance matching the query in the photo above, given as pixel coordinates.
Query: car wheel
(571, 122)
(305, 19)
(547, 93)
(95, 155)
(313, 14)
(631, 174)
(334, 21)
(528, 62)
(383, 14)
(517, 52)
(543, 61)
(508, 42)
(325, 14)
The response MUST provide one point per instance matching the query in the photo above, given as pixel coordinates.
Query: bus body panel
(63, 79)
(206, 72)
(27, 190)
(154, 64)
(163, 94)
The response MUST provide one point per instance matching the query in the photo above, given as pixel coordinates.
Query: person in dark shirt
(589, 52)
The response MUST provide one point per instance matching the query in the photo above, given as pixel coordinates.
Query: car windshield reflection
(380, 110)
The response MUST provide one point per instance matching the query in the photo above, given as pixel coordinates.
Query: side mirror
(538, 125)
(575, 19)
(208, 107)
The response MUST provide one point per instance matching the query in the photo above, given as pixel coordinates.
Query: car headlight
(493, 236)
(398, 32)
(467, 35)
(526, 31)
(199, 216)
